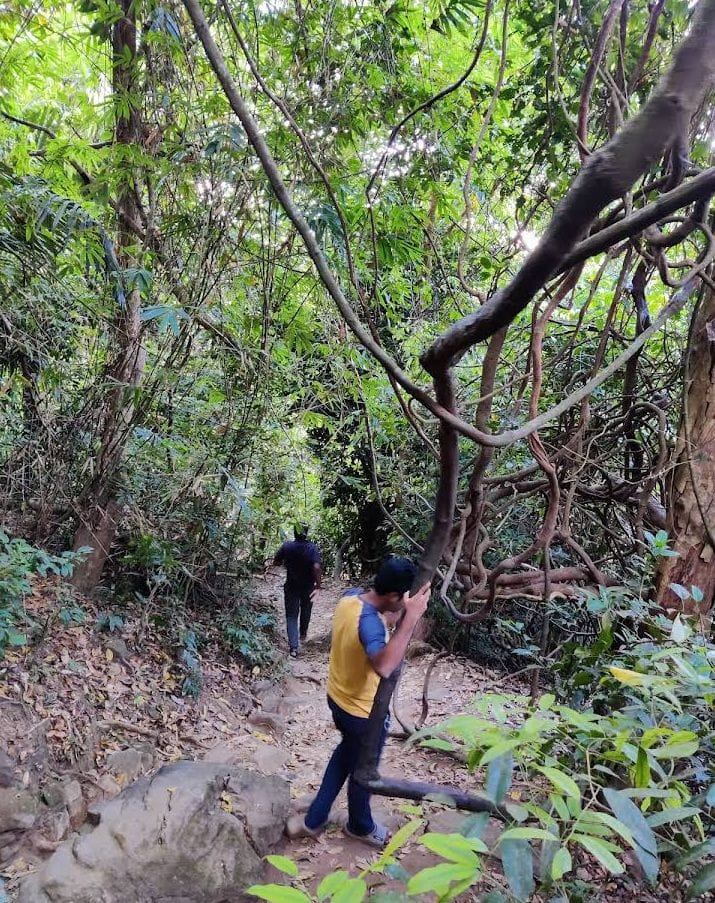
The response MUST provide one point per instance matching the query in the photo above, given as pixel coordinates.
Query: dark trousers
(298, 605)
(340, 768)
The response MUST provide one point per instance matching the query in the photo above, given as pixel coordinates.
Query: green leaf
(600, 851)
(667, 816)
(498, 750)
(702, 882)
(561, 781)
(397, 871)
(401, 837)
(455, 847)
(16, 639)
(676, 750)
(546, 701)
(278, 893)
(561, 863)
(331, 883)
(642, 768)
(438, 878)
(499, 777)
(283, 864)
(559, 804)
(438, 743)
(644, 845)
(351, 891)
(474, 825)
(518, 864)
(527, 834)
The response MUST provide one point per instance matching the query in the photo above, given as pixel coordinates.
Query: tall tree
(691, 503)
(99, 508)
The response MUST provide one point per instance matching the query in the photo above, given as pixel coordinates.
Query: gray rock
(126, 764)
(194, 832)
(118, 647)
(270, 759)
(272, 721)
(18, 809)
(75, 803)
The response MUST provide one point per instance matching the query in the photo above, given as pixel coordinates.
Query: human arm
(390, 657)
(280, 556)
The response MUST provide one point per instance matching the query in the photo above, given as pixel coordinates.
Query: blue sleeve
(315, 555)
(371, 630)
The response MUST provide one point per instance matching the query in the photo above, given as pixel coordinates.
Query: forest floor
(101, 710)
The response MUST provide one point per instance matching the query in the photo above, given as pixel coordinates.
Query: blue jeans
(298, 604)
(340, 768)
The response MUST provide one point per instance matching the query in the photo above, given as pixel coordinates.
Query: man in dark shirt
(303, 577)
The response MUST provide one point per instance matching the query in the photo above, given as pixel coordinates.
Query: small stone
(53, 794)
(125, 765)
(270, 720)
(108, 785)
(75, 803)
(118, 647)
(583, 874)
(57, 826)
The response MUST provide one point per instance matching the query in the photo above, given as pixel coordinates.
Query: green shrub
(19, 561)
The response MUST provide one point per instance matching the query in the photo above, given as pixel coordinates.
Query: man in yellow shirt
(362, 652)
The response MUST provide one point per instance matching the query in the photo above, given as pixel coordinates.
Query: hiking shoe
(293, 653)
(378, 837)
(297, 828)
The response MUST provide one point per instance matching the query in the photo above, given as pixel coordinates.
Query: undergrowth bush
(19, 562)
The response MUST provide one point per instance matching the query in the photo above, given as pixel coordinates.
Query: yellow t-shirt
(358, 629)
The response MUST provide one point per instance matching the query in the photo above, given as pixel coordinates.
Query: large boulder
(194, 832)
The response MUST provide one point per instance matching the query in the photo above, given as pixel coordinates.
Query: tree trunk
(691, 508)
(99, 510)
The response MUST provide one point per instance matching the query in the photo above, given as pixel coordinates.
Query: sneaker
(297, 828)
(293, 653)
(378, 837)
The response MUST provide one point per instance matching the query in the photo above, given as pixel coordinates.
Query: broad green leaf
(283, 864)
(353, 890)
(475, 824)
(278, 893)
(546, 701)
(331, 883)
(527, 834)
(401, 837)
(676, 750)
(438, 878)
(642, 768)
(455, 847)
(561, 781)
(600, 851)
(667, 816)
(499, 749)
(644, 844)
(518, 864)
(499, 777)
(561, 863)
(559, 804)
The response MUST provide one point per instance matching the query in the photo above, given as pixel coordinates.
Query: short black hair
(395, 575)
(300, 531)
